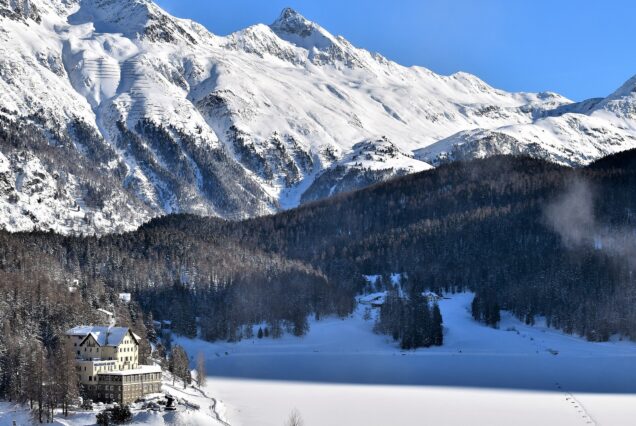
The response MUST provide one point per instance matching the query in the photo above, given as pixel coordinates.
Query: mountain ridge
(178, 119)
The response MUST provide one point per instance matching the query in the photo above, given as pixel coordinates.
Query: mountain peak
(289, 13)
(622, 102)
(293, 22)
(133, 18)
(627, 89)
(323, 47)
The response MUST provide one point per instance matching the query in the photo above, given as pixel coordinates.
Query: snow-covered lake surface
(343, 373)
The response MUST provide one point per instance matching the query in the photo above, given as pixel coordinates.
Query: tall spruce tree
(437, 327)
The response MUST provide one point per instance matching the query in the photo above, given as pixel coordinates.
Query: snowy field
(342, 373)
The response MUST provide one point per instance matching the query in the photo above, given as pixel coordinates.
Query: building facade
(107, 364)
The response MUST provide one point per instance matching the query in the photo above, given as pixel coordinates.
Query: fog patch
(572, 216)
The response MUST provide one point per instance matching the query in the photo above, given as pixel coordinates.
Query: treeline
(480, 226)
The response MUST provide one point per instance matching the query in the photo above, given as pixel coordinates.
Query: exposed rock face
(20, 10)
(370, 162)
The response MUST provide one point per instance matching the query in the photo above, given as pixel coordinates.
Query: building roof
(142, 369)
(103, 335)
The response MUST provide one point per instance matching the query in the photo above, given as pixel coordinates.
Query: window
(90, 378)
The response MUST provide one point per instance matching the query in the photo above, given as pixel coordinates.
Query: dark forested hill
(525, 235)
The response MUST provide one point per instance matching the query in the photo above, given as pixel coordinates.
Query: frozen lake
(341, 372)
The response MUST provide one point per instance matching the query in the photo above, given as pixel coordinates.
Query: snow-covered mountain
(572, 134)
(113, 112)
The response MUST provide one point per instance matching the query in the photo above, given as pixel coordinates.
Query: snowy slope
(183, 120)
(575, 134)
(343, 373)
(194, 408)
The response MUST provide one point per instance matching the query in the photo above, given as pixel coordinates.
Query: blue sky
(579, 48)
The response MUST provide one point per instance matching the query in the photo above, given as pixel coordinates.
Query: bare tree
(179, 365)
(201, 377)
(65, 375)
(294, 419)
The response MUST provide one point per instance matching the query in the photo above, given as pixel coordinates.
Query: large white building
(107, 363)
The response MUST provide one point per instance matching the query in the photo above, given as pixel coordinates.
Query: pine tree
(151, 333)
(277, 330)
(495, 315)
(476, 308)
(121, 414)
(438, 328)
(201, 373)
(300, 324)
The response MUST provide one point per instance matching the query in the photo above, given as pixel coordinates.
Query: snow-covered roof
(103, 335)
(142, 369)
(373, 298)
(431, 295)
(379, 298)
(125, 297)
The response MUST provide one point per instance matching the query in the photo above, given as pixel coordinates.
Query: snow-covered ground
(343, 373)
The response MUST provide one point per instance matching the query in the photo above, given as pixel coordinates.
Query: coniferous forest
(525, 235)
